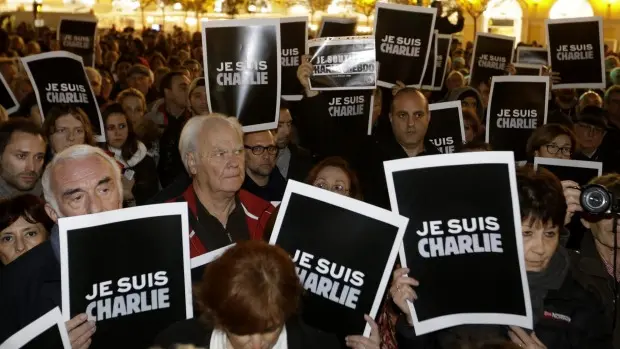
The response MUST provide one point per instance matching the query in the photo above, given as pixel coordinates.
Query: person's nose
(20, 246)
(410, 121)
(30, 165)
(537, 245)
(71, 135)
(95, 205)
(255, 342)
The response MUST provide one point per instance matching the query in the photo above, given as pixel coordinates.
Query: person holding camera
(565, 314)
(596, 265)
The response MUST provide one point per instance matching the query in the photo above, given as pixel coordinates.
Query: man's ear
(586, 224)
(191, 163)
(390, 115)
(51, 213)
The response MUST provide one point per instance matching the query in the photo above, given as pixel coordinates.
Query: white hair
(92, 73)
(188, 143)
(79, 151)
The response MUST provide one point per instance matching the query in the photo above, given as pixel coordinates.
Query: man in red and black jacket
(220, 213)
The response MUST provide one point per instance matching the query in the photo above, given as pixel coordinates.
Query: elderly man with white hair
(220, 213)
(79, 180)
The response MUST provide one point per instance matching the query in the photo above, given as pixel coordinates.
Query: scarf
(135, 158)
(219, 340)
(549, 279)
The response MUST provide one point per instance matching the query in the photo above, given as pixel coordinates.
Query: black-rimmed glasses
(259, 149)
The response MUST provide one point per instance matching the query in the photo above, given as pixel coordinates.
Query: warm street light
(177, 6)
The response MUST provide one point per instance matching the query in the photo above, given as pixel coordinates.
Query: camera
(596, 199)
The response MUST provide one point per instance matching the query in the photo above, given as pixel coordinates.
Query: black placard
(242, 60)
(444, 43)
(510, 120)
(7, 98)
(337, 26)
(48, 331)
(353, 108)
(492, 54)
(468, 234)
(147, 283)
(528, 69)
(293, 37)
(428, 80)
(577, 171)
(59, 78)
(576, 52)
(77, 35)
(403, 36)
(446, 129)
(343, 262)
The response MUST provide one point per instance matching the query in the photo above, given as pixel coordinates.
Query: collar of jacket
(590, 260)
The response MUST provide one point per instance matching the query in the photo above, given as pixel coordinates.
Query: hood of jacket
(456, 95)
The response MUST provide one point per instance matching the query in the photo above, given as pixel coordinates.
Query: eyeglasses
(554, 149)
(597, 131)
(336, 188)
(259, 149)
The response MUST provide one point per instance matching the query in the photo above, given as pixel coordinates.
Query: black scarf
(549, 279)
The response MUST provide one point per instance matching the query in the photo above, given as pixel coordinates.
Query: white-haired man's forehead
(79, 158)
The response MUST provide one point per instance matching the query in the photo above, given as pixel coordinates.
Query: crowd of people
(162, 145)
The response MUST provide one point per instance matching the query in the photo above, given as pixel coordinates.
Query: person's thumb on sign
(361, 342)
(80, 331)
(402, 291)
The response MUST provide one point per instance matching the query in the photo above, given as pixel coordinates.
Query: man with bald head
(220, 212)
(409, 117)
(262, 178)
(589, 99)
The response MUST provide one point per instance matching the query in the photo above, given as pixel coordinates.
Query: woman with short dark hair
(23, 225)
(250, 298)
(551, 141)
(336, 175)
(553, 289)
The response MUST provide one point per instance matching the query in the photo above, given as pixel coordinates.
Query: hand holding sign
(524, 340)
(361, 342)
(402, 291)
(80, 331)
(397, 87)
(303, 75)
(572, 194)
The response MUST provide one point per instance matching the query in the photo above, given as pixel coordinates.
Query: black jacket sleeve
(146, 180)
(170, 163)
(407, 338)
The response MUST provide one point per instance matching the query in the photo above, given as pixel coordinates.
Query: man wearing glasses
(590, 129)
(260, 161)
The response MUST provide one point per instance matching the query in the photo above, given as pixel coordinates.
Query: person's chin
(535, 266)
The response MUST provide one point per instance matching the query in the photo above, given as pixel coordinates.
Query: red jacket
(257, 213)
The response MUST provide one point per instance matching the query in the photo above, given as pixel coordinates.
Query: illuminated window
(503, 17)
(504, 9)
(571, 9)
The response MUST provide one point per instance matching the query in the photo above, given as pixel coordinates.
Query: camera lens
(595, 200)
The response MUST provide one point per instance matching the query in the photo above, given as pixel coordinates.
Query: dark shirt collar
(216, 235)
